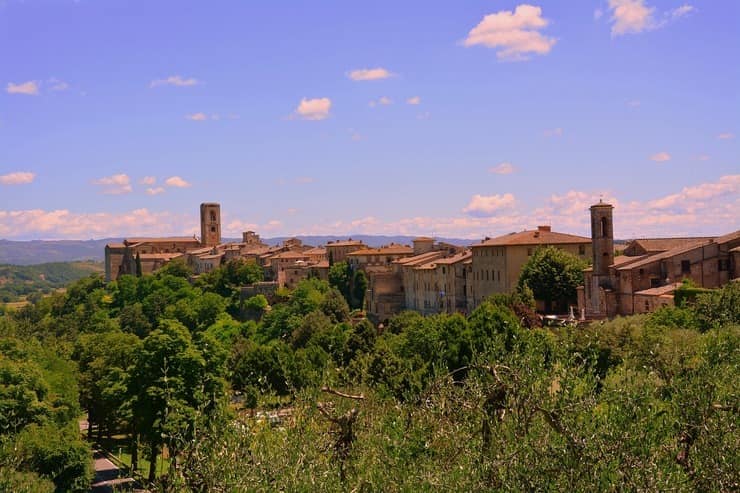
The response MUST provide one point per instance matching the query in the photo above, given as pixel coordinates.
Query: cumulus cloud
(635, 16)
(154, 190)
(553, 132)
(414, 100)
(197, 117)
(174, 80)
(488, 205)
(17, 178)
(148, 180)
(313, 109)
(114, 184)
(177, 182)
(688, 196)
(30, 88)
(661, 157)
(369, 74)
(726, 136)
(502, 169)
(515, 35)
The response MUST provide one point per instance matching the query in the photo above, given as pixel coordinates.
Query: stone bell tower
(210, 224)
(602, 241)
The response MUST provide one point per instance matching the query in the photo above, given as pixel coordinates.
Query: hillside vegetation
(17, 282)
(298, 393)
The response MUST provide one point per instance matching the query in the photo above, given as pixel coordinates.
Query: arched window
(213, 217)
(604, 227)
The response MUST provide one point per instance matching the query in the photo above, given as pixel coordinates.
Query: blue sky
(464, 119)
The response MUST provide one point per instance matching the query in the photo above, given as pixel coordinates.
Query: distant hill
(19, 281)
(41, 251)
(45, 251)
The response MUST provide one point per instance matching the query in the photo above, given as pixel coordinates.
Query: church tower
(602, 237)
(210, 224)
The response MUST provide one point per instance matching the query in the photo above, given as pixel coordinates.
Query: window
(529, 252)
(604, 227)
(685, 267)
(581, 249)
(723, 265)
(213, 229)
(647, 306)
(213, 217)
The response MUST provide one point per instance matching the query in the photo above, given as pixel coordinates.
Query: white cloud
(114, 184)
(57, 84)
(726, 136)
(148, 180)
(414, 100)
(502, 169)
(553, 132)
(635, 16)
(197, 117)
(630, 16)
(174, 80)
(515, 34)
(681, 11)
(154, 190)
(177, 182)
(488, 205)
(661, 157)
(17, 178)
(313, 109)
(383, 101)
(62, 223)
(30, 88)
(369, 74)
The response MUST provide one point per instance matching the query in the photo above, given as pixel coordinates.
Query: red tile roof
(534, 237)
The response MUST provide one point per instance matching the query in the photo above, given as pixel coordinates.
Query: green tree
(174, 380)
(553, 276)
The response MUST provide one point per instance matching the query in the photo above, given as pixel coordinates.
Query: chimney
(544, 228)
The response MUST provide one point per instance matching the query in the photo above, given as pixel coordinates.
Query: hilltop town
(435, 277)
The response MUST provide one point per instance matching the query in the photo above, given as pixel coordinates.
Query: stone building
(645, 277)
(497, 262)
(337, 250)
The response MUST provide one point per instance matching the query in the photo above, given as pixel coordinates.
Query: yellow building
(497, 262)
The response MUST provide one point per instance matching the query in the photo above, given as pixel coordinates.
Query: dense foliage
(320, 401)
(553, 276)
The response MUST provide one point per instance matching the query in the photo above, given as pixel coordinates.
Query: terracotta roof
(534, 237)
(210, 257)
(386, 250)
(171, 239)
(661, 290)
(199, 251)
(649, 259)
(423, 238)
(460, 257)
(663, 244)
(315, 251)
(115, 245)
(324, 264)
(415, 259)
(622, 261)
(290, 254)
(729, 237)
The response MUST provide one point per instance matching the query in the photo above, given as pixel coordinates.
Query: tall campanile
(602, 241)
(210, 224)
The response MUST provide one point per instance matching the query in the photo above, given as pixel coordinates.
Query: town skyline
(459, 121)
